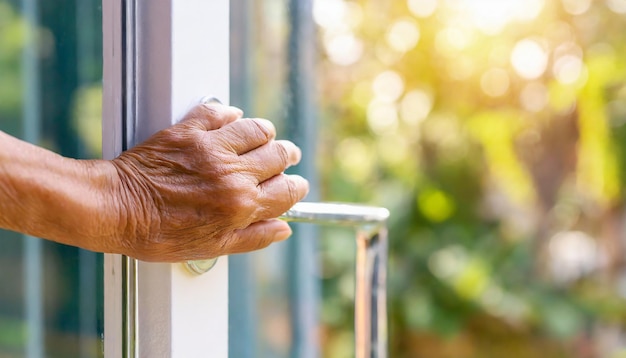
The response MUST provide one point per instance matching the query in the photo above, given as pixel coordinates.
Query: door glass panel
(494, 132)
(50, 94)
(258, 295)
(272, 300)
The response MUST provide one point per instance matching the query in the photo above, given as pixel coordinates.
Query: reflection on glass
(50, 80)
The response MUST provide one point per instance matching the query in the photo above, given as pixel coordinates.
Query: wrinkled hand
(208, 186)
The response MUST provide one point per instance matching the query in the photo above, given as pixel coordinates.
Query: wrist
(66, 200)
(100, 207)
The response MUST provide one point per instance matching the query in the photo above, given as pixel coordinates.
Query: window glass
(51, 300)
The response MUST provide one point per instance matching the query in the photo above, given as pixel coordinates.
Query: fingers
(279, 194)
(257, 236)
(245, 135)
(211, 116)
(272, 159)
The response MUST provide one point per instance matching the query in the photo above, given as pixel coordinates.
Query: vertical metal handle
(370, 303)
(370, 306)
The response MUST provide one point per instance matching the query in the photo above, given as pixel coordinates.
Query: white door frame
(160, 58)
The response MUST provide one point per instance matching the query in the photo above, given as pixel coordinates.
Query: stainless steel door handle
(370, 306)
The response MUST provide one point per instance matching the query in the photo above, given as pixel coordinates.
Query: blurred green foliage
(11, 46)
(494, 131)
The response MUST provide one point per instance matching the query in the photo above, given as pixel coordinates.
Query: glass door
(50, 94)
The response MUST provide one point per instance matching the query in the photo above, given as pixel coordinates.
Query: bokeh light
(529, 59)
(403, 35)
(568, 69)
(382, 117)
(495, 82)
(388, 86)
(448, 262)
(330, 13)
(423, 8)
(573, 254)
(337, 14)
(436, 205)
(492, 16)
(576, 7)
(415, 106)
(338, 19)
(344, 49)
(534, 97)
(452, 40)
(617, 6)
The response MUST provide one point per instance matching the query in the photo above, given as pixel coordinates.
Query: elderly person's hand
(201, 189)
(211, 185)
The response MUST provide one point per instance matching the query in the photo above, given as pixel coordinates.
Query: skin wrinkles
(211, 185)
(231, 194)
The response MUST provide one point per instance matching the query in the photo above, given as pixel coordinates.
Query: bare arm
(208, 186)
(46, 195)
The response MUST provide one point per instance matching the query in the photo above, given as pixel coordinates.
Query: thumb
(211, 116)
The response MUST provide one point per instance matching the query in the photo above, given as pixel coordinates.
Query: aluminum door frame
(160, 58)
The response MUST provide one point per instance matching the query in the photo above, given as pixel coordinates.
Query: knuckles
(262, 130)
(282, 153)
(240, 197)
(188, 191)
(292, 190)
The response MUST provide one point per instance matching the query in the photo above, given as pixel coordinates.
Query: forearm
(46, 195)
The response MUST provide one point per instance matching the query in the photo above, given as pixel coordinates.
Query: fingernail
(282, 234)
(237, 111)
(301, 182)
(298, 157)
(267, 124)
(295, 154)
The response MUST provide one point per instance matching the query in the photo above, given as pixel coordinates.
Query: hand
(209, 186)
